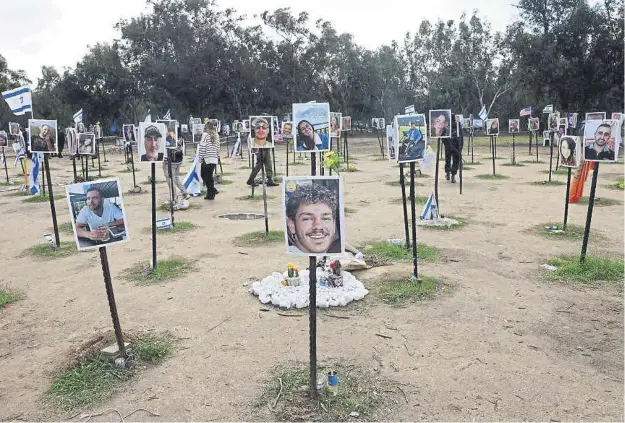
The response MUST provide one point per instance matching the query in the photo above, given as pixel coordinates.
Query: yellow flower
(290, 265)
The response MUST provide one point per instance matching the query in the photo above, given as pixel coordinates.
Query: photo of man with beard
(152, 147)
(314, 215)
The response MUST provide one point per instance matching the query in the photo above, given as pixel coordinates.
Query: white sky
(57, 32)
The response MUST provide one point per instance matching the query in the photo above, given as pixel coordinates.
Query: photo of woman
(335, 124)
(312, 124)
(570, 151)
(534, 124)
(492, 126)
(440, 121)
(86, 144)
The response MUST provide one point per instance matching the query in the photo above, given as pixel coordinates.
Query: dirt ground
(502, 344)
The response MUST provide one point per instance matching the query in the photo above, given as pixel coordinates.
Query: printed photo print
(97, 213)
(492, 126)
(572, 120)
(595, 116)
(390, 143)
(287, 129)
(552, 122)
(601, 140)
(42, 136)
(86, 144)
(314, 217)
(617, 116)
(216, 123)
(129, 133)
(410, 137)
(513, 126)
(336, 122)
(262, 132)
(4, 139)
(381, 123)
(346, 124)
(14, 128)
(312, 126)
(440, 123)
(171, 131)
(198, 130)
(534, 124)
(151, 143)
(570, 151)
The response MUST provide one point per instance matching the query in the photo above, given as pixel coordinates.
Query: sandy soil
(501, 345)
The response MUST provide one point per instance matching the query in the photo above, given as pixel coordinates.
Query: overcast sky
(57, 32)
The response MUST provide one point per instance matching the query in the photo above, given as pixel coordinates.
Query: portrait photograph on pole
(336, 123)
(171, 132)
(42, 136)
(129, 133)
(410, 137)
(97, 213)
(390, 143)
(314, 216)
(440, 123)
(287, 129)
(198, 130)
(151, 144)
(552, 121)
(14, 128)
(261, 132)
(4, 139)
(601, 140)
(513, 126)
(595, 116)
(570, 151)
(86, 144)
(346, 124)
(534, 124)
(312, 126)
(492, 126)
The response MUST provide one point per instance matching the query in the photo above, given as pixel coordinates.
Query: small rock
(245, 284)
(549, 267)
(354, 414)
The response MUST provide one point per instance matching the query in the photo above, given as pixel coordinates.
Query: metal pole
(566, 200)
(438, 147)
(312, 306)
(492, 149)
(550, 155)
(132, 160)
(172, 192)
(513, 150)
(415, 259)
(6, 170)
(591, 203)
(111, 298)
(402, 183)
(43, 179)
(262, 161)
(153, 216)
(51, 198)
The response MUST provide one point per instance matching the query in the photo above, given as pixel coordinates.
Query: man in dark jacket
(452, 152)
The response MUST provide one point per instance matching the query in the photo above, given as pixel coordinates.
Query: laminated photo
(97, 213)
(287, 129)
(4, 140)
(171, 132)
(572, 120)
(86, 144)
(151, 143)
(129, 133)
(14, 128)
(513, 126)
(552, 122)
(440, 123)
(346, 124)
(390, 144)
(617, 116)
(314, 216)
(312, 126)
(601, 140)
(216, 123)
(410, 137)
(570, 150)
(198, 130)
(534, 124)
(42, 136)
(492, 126)
(336, 123)
(262, 132)
(595, 116)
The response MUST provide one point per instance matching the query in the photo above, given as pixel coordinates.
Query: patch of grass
(552, 182)
(254, 197)
(620, 184)
(349, 210)
(556, 172)
(179, 227)
(359, 390)
(491, 176)
(533, 161)
(165, 206)
(9, 296)
(152, 349)
(398, 292)
(515, 164)
(406, 182)
(383, 252)
(245, 167)
(593, 270)
(20, 193)
(600, 202)
(350, 168)
(166, 270)
(66, 227)
(475, 163)
(226, 182)
(126, 170)
(227, 174)
(258, 239)
(573, 232)
(42, 198)
(45, 252)
(462, 222)
(150, 183)
(4, 183)
(418, 199)
(467, 168)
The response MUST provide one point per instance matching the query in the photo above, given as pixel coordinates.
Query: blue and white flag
(20, 155)
(548, 108)
(409, 109)
(483, 113)
(33, 176)
(3, 160)
(167, 115)
(78, 116)
(20, 100)
(430, 211)
(192, 182)
(148, 116)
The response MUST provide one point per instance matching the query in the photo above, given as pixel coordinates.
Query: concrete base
(112, 351)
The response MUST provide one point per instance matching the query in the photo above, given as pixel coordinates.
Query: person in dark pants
(61, 143)
(209, 158)
(452, 153)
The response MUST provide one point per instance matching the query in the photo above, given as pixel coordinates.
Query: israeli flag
(409, 109)
(20, 100)
(33, 176)
(148, 116)
(78, 116)
(167, 115)
(430, 211)
(4, 158)
(548, 108)
(483, 113)
(192, 182)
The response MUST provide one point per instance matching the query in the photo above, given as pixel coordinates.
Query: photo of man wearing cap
(262, 139)
(152, 148)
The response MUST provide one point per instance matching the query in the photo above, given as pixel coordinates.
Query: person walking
(452, 154)
(176, 155)
(209, 158)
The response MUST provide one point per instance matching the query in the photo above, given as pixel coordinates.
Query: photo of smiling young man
(313, 215)
(262, 134)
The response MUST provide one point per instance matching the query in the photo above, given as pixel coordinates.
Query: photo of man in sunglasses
(262, 141)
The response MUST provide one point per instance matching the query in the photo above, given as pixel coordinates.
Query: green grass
(515, 164)
(150, 183)
(152, 349)
(254, 197)
(166, 270)
(474, 163)
(126, 170)
(399, 292)
(418, 199)
(179, 227)
(259, 239)
(620, 184)
(594, 270)
(553, 182)
(96, 379)
(462, 222)
(406, 182)
(350, 168)
(20, 193)
(359, 390)
(9, 296)
(45, 252)
(556, 172)
(66, 227)
(600, 202)
(467, 168)
(383, 252)
(533, 161)
(42, 198)
(165, 206)
(226, 182)
(491, 176)
(573, 232)
(350, 210)
(227, 174)
(3, 182)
